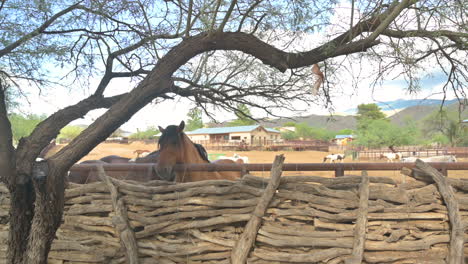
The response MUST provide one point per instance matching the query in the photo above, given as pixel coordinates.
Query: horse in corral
(334, 157)
(176, 148)
(114, 159)
(82, 177)
(391, 157)
(236, 158)
(444, 158)
(141, 152)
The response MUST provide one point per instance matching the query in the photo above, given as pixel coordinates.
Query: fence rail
(339, 168)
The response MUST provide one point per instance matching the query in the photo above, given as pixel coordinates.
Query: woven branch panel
(308, 220)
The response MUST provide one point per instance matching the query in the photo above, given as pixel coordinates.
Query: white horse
(334, 157)
(236, 157)
(444, 158)
(391, 157)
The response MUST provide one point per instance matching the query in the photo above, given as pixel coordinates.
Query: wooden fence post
(457, 234)
(339, 171)
(361, 222)
(246, 240)
(120, 220)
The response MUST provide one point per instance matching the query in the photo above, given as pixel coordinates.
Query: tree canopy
(194, 120)
(244, 117)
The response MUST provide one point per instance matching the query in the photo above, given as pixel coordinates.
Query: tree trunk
(50, 192)
(36, 211)
(21, 214)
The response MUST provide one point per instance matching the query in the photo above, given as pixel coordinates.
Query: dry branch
(361, 222)
(457, 236)
(244, 244)
(120, 220)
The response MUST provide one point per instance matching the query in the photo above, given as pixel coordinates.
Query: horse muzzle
(166, 173)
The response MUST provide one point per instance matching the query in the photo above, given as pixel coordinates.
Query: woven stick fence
(295, 219)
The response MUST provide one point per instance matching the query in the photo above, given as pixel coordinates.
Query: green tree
(368, 112)
(243, 116)
(289, 124)
(444, 122)
(70, 132)
(22, 126)
(289, 135)
(149, 133)
(380, 132)
(194, 119)
(345, 131)
(304, 131)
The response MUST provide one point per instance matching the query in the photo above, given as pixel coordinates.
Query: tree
(345, 131)
(289, 135)
(244, 117)
(70, 132)
(380, 132)
(149, 133)
(195, 119)
(22, 125)
(369, 112)
(173, 50)
(444, 123)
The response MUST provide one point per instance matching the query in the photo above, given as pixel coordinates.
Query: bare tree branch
(38, 30)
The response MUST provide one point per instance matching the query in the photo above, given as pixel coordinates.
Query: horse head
(170, 150)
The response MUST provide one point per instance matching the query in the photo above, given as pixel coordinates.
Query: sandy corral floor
(126, 150)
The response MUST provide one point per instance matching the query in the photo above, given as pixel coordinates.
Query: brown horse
(176, 148)
(142, 176)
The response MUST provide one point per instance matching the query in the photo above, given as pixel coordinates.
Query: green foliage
(446, 123)
(304, 131)
(243, 119)
(195, 119)
(345, 131)
(440, 138)
(149, 133)
(289, 124)
(22, 126)
(368, 112)
(289, 135)
(379, 133)
(70, 132)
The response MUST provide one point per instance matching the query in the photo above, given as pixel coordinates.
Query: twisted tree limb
(456, 254)
(246, 240)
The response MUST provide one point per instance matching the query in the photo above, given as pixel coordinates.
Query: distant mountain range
(400, 110)
(403, 103)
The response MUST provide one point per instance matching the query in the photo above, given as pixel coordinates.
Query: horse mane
(202, 151)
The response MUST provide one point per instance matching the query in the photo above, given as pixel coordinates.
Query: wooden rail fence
(339, 168)
(295, 219)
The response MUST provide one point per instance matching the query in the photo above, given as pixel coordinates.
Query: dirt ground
(127, 150)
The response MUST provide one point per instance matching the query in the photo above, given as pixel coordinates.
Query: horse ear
(181, 126)
(161, 129)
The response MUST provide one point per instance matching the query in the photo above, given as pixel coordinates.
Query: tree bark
(21, 214)
(48, 211)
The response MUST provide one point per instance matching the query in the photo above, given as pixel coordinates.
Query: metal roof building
(224, 130)
(253, 135)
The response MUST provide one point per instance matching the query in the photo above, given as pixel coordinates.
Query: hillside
(415, 112)
(334, 123)
(419, 112)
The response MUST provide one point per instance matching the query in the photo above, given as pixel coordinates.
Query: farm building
(342, 140)
(250, 135)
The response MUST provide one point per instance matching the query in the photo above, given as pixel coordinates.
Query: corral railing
(269, 145)
(339, 168)
(408, 151)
